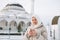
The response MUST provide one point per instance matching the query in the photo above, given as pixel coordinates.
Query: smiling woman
(36, 31)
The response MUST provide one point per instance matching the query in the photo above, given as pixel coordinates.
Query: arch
(55, 20)
(13, 23)
(22, 23)
(3, 22)
(29, 24)
(20, 26)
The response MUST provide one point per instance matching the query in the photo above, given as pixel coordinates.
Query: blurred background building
(14, 19)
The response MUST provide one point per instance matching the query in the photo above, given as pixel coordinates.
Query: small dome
(55, 20)
(18, 5)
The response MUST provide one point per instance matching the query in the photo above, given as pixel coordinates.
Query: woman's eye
(35, 19)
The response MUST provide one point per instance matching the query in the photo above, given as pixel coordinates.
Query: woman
(36, 31)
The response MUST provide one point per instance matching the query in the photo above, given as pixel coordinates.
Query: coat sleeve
(26, 36)
(44, 33)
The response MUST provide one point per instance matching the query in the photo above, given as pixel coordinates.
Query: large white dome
(14, 10)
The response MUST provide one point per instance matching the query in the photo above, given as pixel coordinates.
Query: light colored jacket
(41, 33)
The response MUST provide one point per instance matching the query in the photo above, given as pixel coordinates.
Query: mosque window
(29, 23)
(21, 26)
(13, 23)
(22, 23)
(3, 23)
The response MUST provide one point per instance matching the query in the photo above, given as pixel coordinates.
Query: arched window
(3, 23)
(29, 23)
(22, 23)
(13, 23)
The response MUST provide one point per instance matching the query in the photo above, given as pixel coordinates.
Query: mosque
(14, 19)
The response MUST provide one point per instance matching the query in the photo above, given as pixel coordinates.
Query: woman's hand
(32, 32)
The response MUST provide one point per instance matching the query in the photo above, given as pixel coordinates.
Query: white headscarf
(38, 19)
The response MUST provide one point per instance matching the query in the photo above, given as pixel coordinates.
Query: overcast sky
(45, 9)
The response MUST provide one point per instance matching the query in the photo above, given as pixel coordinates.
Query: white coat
(40, 30)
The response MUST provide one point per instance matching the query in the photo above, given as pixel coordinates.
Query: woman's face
(34, 20)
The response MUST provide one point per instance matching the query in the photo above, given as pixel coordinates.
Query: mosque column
(8, 27)
(59, 27)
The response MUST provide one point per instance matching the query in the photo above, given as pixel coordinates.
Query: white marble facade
(13, 17)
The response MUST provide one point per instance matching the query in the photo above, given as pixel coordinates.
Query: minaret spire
(32, 7)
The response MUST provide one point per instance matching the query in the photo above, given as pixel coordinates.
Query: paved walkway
(11, 37)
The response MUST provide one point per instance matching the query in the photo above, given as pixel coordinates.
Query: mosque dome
(18, 5)
(14, 7)
(14, 10)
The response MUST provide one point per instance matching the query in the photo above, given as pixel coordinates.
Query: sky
(45, 9)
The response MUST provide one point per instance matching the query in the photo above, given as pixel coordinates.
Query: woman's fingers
(32, 32)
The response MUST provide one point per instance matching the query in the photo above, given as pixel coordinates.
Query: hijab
(38, 19)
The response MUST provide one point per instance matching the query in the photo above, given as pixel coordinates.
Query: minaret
(32, 7)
